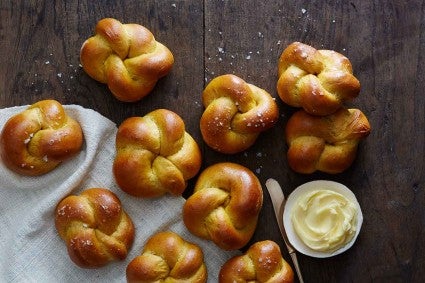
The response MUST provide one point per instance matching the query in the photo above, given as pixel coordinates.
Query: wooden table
(384, 40)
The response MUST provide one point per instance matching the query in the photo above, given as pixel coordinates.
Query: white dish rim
(293, 238)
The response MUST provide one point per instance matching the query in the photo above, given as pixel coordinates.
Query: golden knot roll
(225, 205)
(317, 80)
(39, 138)
(235, 114)
(167, 257)
(262, 263)
(328, 144)
(126, 57)
(155, 155)
(95, 227)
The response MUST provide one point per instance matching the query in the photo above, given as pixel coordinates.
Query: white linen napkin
(30, 247)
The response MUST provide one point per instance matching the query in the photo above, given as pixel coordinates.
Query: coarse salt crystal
(105, 208)
(61, 211)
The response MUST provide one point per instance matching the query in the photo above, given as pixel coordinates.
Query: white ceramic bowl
(305, 189)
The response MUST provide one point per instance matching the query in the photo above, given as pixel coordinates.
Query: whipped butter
(324, 220)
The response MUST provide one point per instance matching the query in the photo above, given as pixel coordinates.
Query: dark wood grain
(385, 41)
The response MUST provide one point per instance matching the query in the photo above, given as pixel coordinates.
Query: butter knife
(278, 201)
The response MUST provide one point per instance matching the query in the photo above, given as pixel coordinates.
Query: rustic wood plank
(40, 42)
(384, 42)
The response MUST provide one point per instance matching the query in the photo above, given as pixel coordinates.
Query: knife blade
(279, 201)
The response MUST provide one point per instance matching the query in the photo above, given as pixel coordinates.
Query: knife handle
(297, 266)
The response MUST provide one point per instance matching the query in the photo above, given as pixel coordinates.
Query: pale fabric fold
(30, 247)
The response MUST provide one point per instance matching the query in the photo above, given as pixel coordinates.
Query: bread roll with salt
(236, 112)
(319, 81)
(328, 144)
(225, 205)
(262, 262)
(166, 257)
(155, 155)
(95, 227)
(38, 139)
(126, 57)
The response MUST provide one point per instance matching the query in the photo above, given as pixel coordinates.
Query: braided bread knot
(235, 114)
(155, 155)
(262, 262)
(95, 227)
(167, 257)
(328, 143)
(225, 205)
(319, 81)
(38, 139)
(126, 57)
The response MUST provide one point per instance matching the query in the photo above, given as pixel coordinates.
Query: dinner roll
(317, 80)
(235, 114)
(262, 262)
(95, 227)
(327, 144)
(39, 138)
(167, 257)
(126, 57)
(225, 205)
(155, 155)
